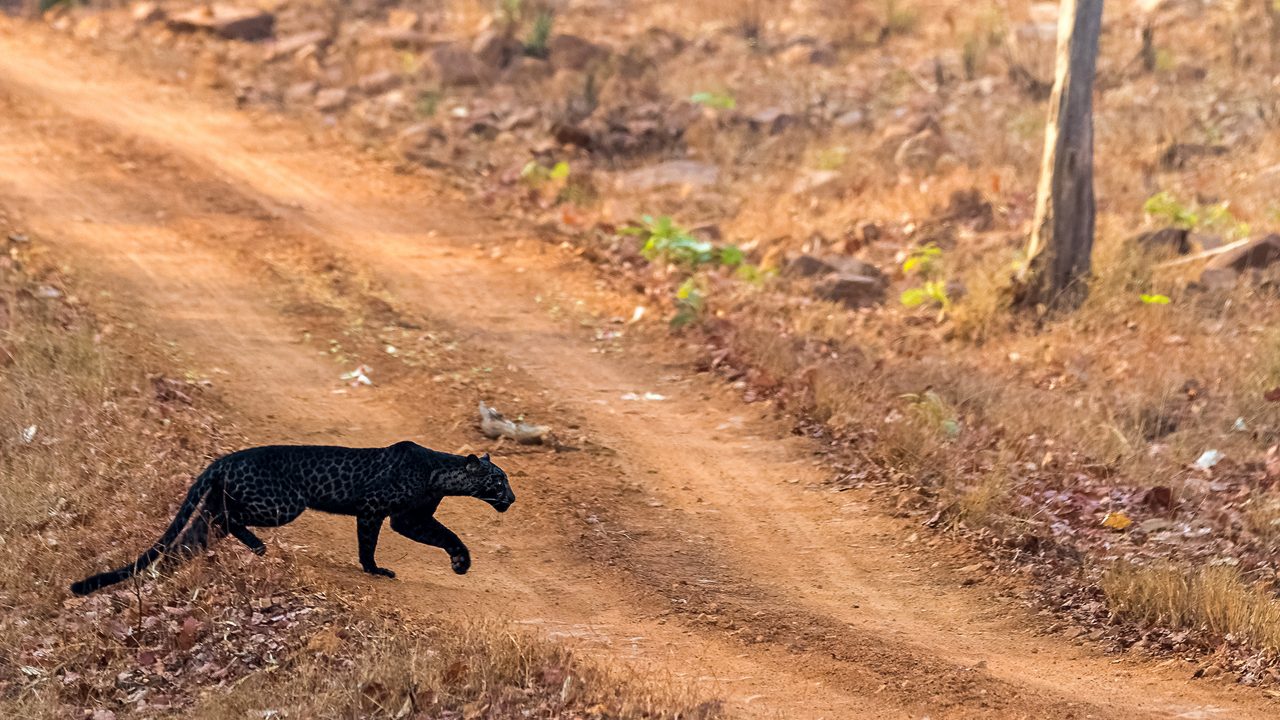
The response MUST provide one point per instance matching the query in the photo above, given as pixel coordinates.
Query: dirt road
(687, 536)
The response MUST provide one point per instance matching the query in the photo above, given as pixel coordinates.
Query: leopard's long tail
(199, 489)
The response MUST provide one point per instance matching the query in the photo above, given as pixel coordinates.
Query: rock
(522, 118)
(968, 206)
(809, 266)
(418, 136)
(1254, 255)
(572, 134)
(1164, 240)
(815, 180)
(1204, 241)
(456, 66)
(300, 92)
(405, 39)
(850, 119)
(570, 52)
(1158, 497)
(687, 173)
(401, 19)
(1176, 156)
(852, 291)
(495, 49)
(330, 99)
(660, 43)
(771, 120)
(1207, 671)
(146, 12)
(1219, 279)
(296, 43)
(1155, 525)
(921, 152)
(232, 23)
(814, 266)
(869, 232)
(807, 53)
(525, 70)
(377, 83)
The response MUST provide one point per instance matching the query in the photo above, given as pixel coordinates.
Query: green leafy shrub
(1215, 218)
(926, 263)
(668, 241)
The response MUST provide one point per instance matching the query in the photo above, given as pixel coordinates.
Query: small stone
(852, 291)
(771, 120)
(570, 52)
(297, 43)
(301, 92)
(232, 23)
(813, 181)
(686, 173)
(330, 99)
(377, 83)
(457, 66)
(525, 70)
(921, 152)
(850, 119)
(1165, 240)
(146, 12)
(496, 49)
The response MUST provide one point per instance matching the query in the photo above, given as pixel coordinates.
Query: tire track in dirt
(702, 496)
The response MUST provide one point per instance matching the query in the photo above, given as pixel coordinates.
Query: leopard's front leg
(367, 529)
(424, 528)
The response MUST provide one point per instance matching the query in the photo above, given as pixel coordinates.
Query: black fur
(270, 486)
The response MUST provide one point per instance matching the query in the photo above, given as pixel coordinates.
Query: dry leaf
(1116, 521)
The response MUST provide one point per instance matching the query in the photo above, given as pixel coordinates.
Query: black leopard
(271, 485)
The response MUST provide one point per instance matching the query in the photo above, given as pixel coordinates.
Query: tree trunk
(1062, 231)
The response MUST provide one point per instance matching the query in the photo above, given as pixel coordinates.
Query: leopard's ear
(473, 462)
(485, 458)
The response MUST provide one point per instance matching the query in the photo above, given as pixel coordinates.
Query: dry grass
(1216, 600)
(107, 447)
(481, 670)
(1262, 517)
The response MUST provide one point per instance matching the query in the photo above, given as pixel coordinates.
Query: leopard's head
(490, 482)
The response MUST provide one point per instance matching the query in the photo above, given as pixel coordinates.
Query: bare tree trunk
(1058, 255)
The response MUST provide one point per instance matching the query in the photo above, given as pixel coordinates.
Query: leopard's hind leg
(203, 531)
(226, 516)
(246, 536)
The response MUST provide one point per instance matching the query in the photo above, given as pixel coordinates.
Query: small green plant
(1218, 218)
(898, 20)
(932, 291)
(1163, 205)
(933, 411)
(923, 260)
(831, 158)
(720, 101)
(1215, 218)
(690, 303)
(1154, 299)
(926, 263)
(668, 241)
(429, 102)
(511, 12)
(540, 34)
(536, 174)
